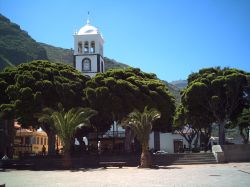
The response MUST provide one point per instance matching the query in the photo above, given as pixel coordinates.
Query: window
(45, 141)
(37, 140)
(33, 140)
(92, 47)
(80, 47)
(86, 47)
(86, 64)
(41, 140)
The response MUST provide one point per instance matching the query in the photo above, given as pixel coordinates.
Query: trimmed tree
(141, 124)
(39, 84)
(116, 93)
(217, 91)
(7, 113)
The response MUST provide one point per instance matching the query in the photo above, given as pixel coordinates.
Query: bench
(14, 164)
(22, 166)
(112, 164)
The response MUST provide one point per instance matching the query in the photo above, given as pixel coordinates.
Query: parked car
(161, 152)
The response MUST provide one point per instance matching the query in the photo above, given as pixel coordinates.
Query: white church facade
(88, 50)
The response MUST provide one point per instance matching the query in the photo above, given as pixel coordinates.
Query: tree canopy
(33, 86)
(116, 93)
(216, 92)
(38, 84)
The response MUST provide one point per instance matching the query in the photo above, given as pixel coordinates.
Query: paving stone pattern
(232, 174)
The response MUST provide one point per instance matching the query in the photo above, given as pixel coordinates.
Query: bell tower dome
(88, 50)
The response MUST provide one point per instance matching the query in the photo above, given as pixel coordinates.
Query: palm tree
(67, 122)
(141, 124)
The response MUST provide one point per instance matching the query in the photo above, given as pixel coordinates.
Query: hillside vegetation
(58, 54)
(16, 46)
(181, 84)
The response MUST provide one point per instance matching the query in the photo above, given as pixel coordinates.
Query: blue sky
(169, 38)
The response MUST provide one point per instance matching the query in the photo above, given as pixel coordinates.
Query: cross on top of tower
(88, 21)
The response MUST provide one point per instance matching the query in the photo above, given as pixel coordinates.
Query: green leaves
(215, 89)
(16, 45)
(66, 123)
(215, 92)
(39, 84)
(118, 92)
(142, 122)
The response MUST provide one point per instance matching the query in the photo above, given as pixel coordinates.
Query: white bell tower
(88, 50)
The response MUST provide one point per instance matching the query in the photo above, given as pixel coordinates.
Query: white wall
(83, 38)
(151, 141)
(167, 141)
(93, 59)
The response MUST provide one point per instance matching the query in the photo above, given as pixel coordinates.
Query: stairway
(194, 158)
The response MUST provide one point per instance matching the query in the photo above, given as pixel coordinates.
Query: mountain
(16, 46)
(174, 90)
(58, 54)
(113, 64)
(181, 84)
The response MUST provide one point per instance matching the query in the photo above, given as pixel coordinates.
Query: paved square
(232, 174)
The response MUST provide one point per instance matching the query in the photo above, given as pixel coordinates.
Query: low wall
(61, 162)
(166, 159)
(132, 160)
(231, 153)
(75, 162)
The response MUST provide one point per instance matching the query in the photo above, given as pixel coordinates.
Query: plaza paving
(232, 174)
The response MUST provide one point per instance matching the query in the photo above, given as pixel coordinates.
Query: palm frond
(67, 122)
(141, 122)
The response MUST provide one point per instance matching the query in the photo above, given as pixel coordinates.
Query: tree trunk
(11, 134)
(222, 132)
(189, 140)
(206, 136)
(68, 150)
(51, 143)
(67, 163)
(245, 136)
(190, 146)
(146, 160)
(7, 133)
(196, 140)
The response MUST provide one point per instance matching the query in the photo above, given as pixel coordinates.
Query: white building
(88, 50)
(168, 142)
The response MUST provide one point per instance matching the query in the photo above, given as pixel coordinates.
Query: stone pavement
(232, 174)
